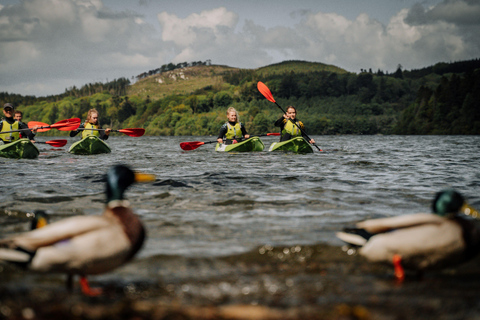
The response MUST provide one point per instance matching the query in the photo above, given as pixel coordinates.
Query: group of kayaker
(234, 131)
(13, 122)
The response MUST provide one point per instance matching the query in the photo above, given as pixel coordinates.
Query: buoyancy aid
(234, 132)
(12, 136)
(86, 132)
(292, 129)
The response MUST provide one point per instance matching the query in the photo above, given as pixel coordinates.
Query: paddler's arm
(75, 132)
(104, 134)
(222, 133)
(280, 122)
(29, 133)
(304, 134)
(244, 132)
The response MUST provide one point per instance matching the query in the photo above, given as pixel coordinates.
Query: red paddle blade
(273, 134)
(67, 124)
(191, 145)
(32, 124)
(133, 132)
(265, 91)
(57, 143)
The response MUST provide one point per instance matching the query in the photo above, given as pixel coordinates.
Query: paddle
(63, 125)
(132, 132)
(192, 145)
(55, 143)
(268, 94)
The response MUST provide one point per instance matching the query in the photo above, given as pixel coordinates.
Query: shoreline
(295, 282)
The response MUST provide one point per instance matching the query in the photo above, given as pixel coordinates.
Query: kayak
(251, 144)
(89, 145)
(296, 145)
(19, 149)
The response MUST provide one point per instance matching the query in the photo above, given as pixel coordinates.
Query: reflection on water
(206, 203)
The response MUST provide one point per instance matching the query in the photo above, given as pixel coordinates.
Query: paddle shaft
(19, 130)
(96, 129)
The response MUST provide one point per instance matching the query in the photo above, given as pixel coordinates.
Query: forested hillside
(191, 99)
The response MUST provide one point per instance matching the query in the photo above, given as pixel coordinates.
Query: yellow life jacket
(234, 132)
(86, 133)
(12, 136)
(292, 129)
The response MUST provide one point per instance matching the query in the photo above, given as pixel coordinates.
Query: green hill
(297, 67)
(192, 100)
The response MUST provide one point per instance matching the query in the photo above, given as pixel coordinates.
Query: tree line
(327, 102)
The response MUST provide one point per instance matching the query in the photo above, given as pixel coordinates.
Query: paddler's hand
(220, 140)
(247, 136)
(107, 131)
(34, 129)
(312, 141)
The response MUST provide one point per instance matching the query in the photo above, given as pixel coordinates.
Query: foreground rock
(295, 282)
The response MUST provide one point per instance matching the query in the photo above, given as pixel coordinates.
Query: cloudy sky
(47, 46)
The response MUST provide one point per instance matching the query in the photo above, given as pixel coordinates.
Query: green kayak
(251, 144)
(19, 149)
(89, 145)
(297, 145)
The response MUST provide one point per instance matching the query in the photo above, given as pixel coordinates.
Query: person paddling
(91, 123)
(233, 130)
(10, 124)
(290, 127)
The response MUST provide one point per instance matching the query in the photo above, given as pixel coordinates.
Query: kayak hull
(19, 149)
(250, 145)
(296, 145)
(89, 145)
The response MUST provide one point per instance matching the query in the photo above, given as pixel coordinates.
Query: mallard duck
(421, 241)
(84, 245)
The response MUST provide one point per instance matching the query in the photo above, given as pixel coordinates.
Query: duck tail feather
(354, 236)
(18, 256)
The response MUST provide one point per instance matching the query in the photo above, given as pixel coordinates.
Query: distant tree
(398, 74)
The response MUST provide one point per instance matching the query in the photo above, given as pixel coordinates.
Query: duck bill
(470, 211)
(144, 177)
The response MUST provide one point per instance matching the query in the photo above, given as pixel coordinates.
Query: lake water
(206, 203)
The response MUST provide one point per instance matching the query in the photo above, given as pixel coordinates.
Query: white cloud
(51, 42)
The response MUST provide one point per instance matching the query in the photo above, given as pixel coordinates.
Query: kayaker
(290, 126)
(91, 123)
(10, 124)
(18, 117)
(233, 130)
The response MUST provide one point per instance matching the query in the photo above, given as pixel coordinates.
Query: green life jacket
(234, 132)
(86, 133)
(292, 129)
(12, 136)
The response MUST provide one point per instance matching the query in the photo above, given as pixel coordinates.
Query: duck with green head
(421, 241)
(84, 245)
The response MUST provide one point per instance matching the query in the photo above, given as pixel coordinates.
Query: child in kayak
(233, 130)
(91, 123)
(290, 127)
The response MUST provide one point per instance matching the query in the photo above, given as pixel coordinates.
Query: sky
(47, 46)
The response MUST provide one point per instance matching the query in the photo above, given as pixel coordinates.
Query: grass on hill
(187, 80)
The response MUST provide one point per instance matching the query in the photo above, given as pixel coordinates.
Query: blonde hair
(232, 109)
(89, 114)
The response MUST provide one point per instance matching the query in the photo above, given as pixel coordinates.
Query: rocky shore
(294, 282)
